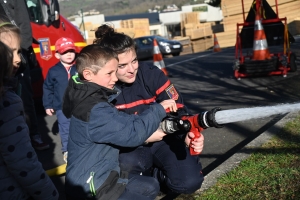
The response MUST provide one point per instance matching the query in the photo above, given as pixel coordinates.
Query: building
(166, 24)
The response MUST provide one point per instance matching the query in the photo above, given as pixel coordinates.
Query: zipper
(90, 181)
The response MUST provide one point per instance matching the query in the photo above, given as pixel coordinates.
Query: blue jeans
(174, 167)
(140, 188)
(63, 128)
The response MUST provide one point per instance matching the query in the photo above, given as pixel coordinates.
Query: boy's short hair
(93, 57)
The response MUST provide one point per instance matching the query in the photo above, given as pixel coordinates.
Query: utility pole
(82, 21)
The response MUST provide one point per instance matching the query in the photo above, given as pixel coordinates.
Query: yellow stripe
(57, 170)
(77, 44)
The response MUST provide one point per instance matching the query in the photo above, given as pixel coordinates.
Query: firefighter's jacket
(151, 85)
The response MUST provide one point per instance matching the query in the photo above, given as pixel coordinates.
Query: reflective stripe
(77, 44)
(162, 88)
(260, 45)
(156, 50)
(145, 102)
(258, 26)
(80, 44)
(159, 64)
(136, 103)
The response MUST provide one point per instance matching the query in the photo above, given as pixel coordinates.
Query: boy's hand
(49, 111)
(197, 144)
(156, 136)
(169, 104)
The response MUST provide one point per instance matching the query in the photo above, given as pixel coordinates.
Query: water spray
(217, 118)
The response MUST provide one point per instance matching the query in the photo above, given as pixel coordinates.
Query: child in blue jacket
(98, 130)
(55, 85)
(22, 176)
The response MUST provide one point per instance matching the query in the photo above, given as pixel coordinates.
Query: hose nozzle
(207, 119)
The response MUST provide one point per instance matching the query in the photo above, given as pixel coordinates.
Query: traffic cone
(157, 58)
(260, 45)
(216, 44)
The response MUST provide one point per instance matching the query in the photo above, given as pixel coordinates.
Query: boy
(141, 84)
(98, 130)
(55, 85)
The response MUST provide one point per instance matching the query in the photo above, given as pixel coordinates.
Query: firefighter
(168, 160)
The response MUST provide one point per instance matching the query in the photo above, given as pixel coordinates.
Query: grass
(272, 172)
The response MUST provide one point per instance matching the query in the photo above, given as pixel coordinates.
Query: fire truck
(48, 26)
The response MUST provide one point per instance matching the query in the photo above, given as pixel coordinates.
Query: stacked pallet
(89, 31)
(200, 34)
(232, 12)
(132, 27)
(188, 18)
(186, 44)
(135, 27)
(128, 31)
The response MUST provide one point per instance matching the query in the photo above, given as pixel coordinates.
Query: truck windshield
(35, 11)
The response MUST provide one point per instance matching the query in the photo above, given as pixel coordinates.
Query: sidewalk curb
(212, 178)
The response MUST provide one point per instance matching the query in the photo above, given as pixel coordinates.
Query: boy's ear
(87, 74)
(57, 55)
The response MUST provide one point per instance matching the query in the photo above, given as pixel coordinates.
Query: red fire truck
(48, 26)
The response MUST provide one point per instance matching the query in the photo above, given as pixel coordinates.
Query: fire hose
(190, 123)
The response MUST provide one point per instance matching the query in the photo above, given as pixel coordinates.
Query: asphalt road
(206, 80)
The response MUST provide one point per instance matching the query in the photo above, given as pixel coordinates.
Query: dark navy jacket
(55, 85)
(151, 85)
(97, 130)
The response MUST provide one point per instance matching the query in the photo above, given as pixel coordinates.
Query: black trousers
(27, 94)
(173, 165)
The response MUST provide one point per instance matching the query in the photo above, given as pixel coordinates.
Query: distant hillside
(117, 7)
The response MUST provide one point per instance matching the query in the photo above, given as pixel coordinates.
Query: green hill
(118, 7)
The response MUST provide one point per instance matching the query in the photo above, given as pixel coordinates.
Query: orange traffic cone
(260, 45)
(216, 44)
(157, 58)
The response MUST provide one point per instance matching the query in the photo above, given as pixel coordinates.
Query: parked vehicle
(47, 26)
(167, 47)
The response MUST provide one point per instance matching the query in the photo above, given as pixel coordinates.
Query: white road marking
(190, 59)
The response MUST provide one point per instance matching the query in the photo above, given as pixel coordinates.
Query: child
(21, 174)
(98, 129)
(18, 14)
(55, 85)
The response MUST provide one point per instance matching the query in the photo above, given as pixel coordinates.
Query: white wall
(160, 28)
(95, 19)
(115, 24)
(212, 14)
(170, 17)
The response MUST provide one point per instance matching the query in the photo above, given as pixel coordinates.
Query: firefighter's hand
(197, 144)
(156, 136)
(169, 105)
(49, 111)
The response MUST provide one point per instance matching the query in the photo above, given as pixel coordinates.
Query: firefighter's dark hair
(106, 36)
(6, 65)
(94, 57)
